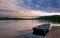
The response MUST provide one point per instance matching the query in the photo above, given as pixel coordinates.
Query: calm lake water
(18, 28)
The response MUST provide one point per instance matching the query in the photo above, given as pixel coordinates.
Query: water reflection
(18, 28)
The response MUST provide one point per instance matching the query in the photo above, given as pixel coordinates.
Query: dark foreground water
(18, 28)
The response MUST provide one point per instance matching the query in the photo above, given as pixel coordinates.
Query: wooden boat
(41, 29)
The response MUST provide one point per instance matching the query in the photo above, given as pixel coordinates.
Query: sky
(29, 8)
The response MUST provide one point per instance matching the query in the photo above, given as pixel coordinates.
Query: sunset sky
(24, 8)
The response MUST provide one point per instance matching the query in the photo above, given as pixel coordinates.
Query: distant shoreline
(8, 18)
(53, 18)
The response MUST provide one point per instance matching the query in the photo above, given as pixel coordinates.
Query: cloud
(13, 8)
(9, 8)
(47, 5)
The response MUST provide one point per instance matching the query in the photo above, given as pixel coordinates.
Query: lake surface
(19, 28)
